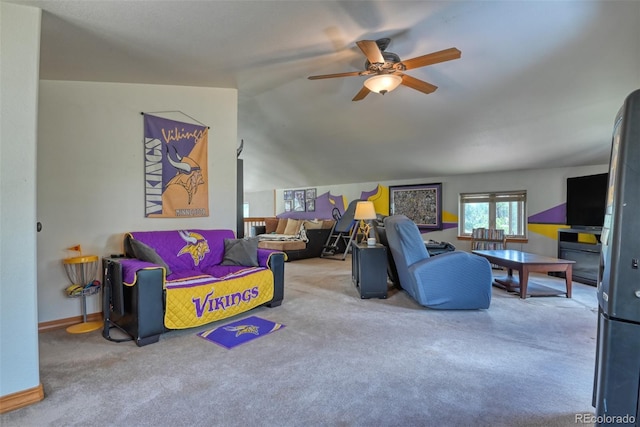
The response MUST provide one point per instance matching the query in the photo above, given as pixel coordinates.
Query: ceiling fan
(387, 70)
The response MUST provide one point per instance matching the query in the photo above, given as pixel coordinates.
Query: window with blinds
(505, 210)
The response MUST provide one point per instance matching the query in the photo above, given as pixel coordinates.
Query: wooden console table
(526, 263)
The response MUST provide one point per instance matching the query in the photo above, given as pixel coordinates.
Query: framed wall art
(310, 196)
(288, 194)
(421, 203)
(311, 205)
(310, 193)
(298, 200)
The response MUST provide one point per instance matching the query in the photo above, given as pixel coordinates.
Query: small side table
(369, 270)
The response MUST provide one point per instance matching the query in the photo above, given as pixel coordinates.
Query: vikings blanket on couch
(199, 288)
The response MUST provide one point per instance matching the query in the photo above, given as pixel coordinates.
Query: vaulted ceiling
(538, 84)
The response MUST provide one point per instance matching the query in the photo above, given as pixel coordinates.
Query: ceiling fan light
(383, 83)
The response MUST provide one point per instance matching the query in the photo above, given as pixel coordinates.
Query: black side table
(369, 270)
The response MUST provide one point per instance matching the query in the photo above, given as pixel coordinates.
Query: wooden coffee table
(526, 263)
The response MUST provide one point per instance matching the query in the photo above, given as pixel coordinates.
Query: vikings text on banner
(175, 165)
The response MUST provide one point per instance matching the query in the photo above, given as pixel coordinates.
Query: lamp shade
(383, 83)
(365, 210)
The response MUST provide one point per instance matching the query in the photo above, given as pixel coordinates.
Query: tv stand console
(584, 251)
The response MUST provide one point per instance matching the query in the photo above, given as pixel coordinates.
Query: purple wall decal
(324, 206)
(366, 194)
(555, 215)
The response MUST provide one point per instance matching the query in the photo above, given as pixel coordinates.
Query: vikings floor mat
(240, 332)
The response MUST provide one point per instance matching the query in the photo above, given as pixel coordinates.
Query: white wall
(261, 203)
(19, 65)
(90, 172)
(546, 188)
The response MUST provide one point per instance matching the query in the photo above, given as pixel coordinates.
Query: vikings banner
(175, 165)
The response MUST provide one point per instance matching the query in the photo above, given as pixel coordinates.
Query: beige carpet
(341, 361)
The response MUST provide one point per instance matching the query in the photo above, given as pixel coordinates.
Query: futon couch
(186, 278)
(298, 239)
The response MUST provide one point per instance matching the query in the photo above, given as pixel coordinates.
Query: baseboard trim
(20, 399)
(33, 395)
(64, 323)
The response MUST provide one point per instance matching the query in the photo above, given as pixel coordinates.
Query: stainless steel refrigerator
(616, 392)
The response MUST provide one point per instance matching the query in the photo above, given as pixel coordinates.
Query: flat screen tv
(586, 199)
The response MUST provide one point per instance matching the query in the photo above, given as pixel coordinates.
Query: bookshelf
(488, 239)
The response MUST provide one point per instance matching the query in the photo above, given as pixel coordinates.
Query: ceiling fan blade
(418, 84)
(331, 76)
(432, 58)
(371, 51)
(360, 95)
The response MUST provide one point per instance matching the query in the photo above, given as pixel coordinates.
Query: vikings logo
(189, 174)
(196, 246)
(242, 329)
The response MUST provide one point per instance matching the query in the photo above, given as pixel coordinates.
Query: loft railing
(252, 221)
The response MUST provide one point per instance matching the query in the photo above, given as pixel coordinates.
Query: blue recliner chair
(452, 280)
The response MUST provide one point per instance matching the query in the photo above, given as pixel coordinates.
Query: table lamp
(365, 211)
